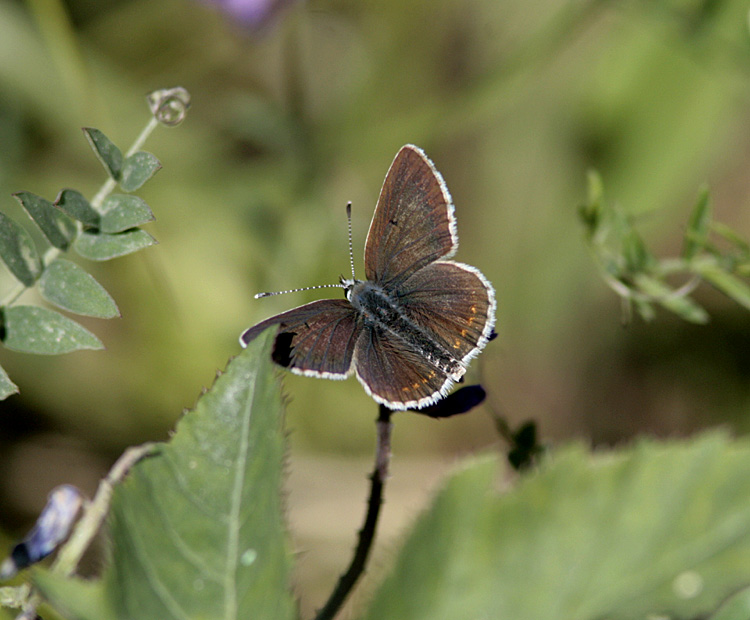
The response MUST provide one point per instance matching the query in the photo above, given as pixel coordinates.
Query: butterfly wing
(396, 375)
(316, 339)
(452, 302)
(413, 224)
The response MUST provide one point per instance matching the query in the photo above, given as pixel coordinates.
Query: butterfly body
(410, 329)
(382, 312)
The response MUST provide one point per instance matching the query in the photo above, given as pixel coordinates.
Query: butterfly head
(348, 284)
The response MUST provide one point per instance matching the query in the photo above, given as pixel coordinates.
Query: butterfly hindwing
(316, 339)
(413, 224)
(394, 374)
(454, 303)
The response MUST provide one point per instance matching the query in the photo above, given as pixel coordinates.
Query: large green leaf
(658, 530)
(736, 607)
(31, 329)
(59, 229)
(197, 530)
(69, 287)
(18, 251)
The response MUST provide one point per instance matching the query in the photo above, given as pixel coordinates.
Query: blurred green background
(298, 108)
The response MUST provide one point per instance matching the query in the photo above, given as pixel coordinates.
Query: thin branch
(367, 534)
(70, 554)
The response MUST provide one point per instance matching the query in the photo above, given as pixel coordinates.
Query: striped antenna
(312, 288)
(351, 251)
(297, 290)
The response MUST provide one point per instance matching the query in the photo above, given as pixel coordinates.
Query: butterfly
(410, 329)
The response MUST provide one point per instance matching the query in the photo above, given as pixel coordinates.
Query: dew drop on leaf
(688, 584)
(248, 557)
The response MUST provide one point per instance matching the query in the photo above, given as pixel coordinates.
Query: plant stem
(109, 185)
(367, 534)
(104, 191)
(71, 553)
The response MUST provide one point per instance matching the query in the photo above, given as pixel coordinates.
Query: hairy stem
(367, 534)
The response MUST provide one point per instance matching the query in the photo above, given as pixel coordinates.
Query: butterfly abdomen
(381, 312)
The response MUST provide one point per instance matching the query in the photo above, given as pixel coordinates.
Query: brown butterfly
(410, 329)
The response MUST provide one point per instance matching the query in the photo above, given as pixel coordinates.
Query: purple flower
(254, 14)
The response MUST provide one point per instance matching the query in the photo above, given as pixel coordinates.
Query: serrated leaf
(197, 530)
(122, 212)
(74, 204)
(730, 285)
(108, 154)
(101, 246)
(698, 226)
(137, 169)
(656, 530)
(59, 229)
(31, 329)
(668, 298)
(7, 387)
(18, 251)
(69, 287)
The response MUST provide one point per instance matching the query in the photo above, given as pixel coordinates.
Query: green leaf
(31, 329)
(108, 154)
(18, 251)
(636, 255)
(76, 206)
(698, 227)
(645, 310)
(732, 236)
(83, 599)
(656, 530)
(122, 212)
(668, 298)
(7, 387)
(59, 229)
(197, 530)
(727, 283)
(137, 169)
(736, 607)
(69, 287)
(101, 246)
(591, 212)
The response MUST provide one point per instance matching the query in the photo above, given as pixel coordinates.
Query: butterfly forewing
(413, 224)
(454, 303)
(316, 339)
(396, 375)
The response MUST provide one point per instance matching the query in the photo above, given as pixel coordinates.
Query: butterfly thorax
(381, 310)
